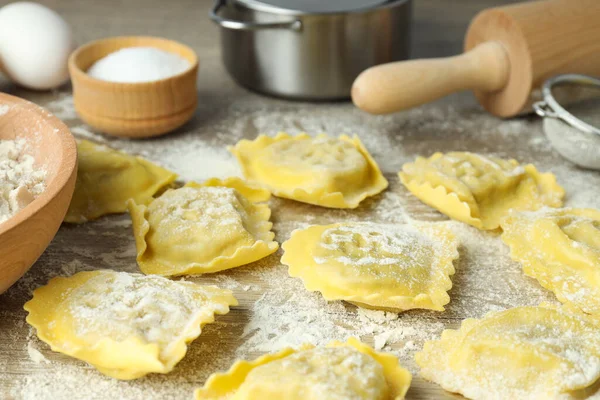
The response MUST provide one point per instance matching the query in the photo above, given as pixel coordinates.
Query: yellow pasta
(125, 325)
(388, 267)
(350, 370)
(107, 178)
(543, 352)
(561, 249)
(325, 171)
(477, 189)
(200, 228)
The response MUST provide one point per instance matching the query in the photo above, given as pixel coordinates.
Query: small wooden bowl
(25, 236)
(133, 110)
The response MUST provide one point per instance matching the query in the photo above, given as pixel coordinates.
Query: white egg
(35, 44)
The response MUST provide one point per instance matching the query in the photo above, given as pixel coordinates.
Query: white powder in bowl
(20, 181)
(138, 64)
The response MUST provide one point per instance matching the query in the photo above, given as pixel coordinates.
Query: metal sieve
(576, 138)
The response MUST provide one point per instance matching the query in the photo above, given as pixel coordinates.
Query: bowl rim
(75, 69)
(67, 165)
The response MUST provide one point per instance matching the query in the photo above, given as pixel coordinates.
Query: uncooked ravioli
(200, 228)
(107, 178)
(479, 190)
(539, 352)
(383, 266)
(339, 371)
(321, 170)
(125, 325)
(561, 249)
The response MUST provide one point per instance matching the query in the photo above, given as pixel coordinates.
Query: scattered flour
(287, 315)
(20, 181)
(83, 132)
(63, 107)
(35, 354)
(275, 310)
(191, 160)
(64, 381)
(199, 162)
(227, 282)
(123, 305)
(402, 245)
(334, 373)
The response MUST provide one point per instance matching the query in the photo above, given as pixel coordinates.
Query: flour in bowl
(20, 181)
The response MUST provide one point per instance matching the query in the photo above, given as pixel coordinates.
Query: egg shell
(35, 44)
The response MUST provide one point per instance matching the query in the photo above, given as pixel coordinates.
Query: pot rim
(258, 5)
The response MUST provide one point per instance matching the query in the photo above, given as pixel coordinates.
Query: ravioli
(543, 352)
(350, 370)
(479, 190)
(125, 325)
(561, 249)
(107, 178)
(200, 228)
(328, 172)
(386, 267)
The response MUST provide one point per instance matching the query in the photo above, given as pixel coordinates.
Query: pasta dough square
(200, 228)
(386, 267)
(543, 352)
(561, 249)
(328, 172)
(107, 178)
(479, 190)
(125, 325)
(350, 370)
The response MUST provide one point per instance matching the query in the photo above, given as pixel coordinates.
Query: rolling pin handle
(392, 87)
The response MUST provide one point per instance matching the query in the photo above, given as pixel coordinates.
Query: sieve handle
(550, 108)
(542, 109)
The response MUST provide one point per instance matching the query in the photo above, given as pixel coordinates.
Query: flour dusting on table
(35, 355)
(275, 310)
(63, 107)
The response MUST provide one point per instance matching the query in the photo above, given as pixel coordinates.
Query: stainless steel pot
(309, 49)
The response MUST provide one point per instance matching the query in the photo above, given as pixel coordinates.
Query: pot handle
(295, 25)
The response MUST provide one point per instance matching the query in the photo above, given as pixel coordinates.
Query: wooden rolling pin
(509, 52)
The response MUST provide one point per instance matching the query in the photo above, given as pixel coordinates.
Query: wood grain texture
(401, 85)
(542, 39)
(24, 237)
(510, 51)
(134, 110)
(455, 123)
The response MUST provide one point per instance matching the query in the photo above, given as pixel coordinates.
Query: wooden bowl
(133, 110)
(25, 236)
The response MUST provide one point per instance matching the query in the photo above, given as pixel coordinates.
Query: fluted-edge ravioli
(107, 178)
(479, 190)
(561, 249)
(339, 370)
(531, 352)
(321, 170)
(201, 228)
(125, 325)
(382, 266)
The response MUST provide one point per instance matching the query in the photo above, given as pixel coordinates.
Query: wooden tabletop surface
(486, 279)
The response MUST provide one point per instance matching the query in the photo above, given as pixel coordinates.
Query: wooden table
(486, 279)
